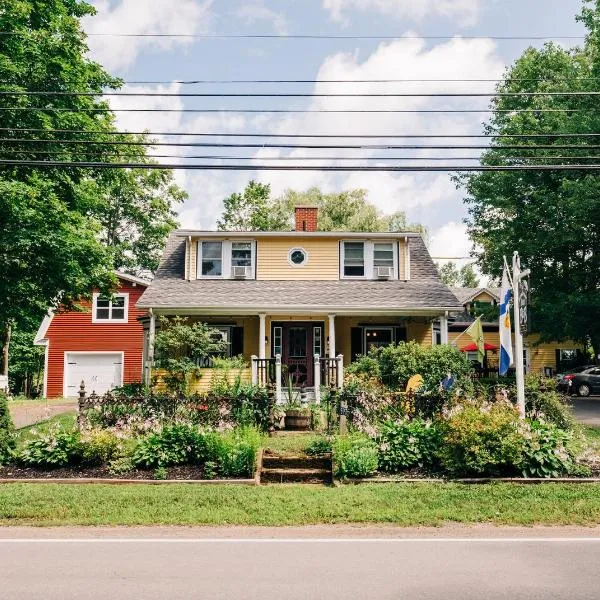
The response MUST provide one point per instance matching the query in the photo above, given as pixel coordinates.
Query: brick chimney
(306, 218)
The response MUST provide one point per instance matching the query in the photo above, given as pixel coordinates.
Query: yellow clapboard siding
(202, 383)
(544, 354)
(192, 259)
(272, 259)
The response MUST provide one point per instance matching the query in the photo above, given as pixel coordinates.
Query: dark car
(583, 384)
(574, 370)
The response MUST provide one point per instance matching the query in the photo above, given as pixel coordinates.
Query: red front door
(297, 343)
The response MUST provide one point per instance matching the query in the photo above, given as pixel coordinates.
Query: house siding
(73, 331)
(272, 259)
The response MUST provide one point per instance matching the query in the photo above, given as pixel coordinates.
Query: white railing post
(278, 395)
(444, 329)
(317, 378)
(340, 371)
(254, 367)
(261, 335)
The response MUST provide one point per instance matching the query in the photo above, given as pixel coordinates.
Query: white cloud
(142, 17)
(464, 11)
(251, 13)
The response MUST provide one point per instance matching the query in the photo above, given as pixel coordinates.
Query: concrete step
(273, 461)
(295, 476)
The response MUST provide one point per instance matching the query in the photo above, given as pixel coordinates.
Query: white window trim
(226, 257)
(436, 327)
(369, 258)
(302, 264)
(125, 319)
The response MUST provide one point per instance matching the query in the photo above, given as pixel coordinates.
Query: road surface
(587, 410)
(331, 563)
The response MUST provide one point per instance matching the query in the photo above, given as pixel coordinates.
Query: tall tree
(255, 210)
(552, 218)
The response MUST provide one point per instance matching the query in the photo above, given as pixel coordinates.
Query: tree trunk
(5, 347)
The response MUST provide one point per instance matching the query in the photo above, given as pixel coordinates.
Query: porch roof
(424, 293)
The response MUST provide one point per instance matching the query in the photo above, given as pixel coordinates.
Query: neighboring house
(544, 358)
(101, 344)
(314, 299)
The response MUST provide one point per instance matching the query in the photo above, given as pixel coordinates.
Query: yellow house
(302, 302)
(543, 358)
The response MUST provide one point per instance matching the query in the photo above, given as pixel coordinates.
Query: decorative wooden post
(254, 367)
(340, 371)
(317, 377)
(81, 404)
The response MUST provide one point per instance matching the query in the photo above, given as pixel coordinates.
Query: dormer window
(354, 259)
(110, 309)
(383, 254)
(212, 259)
(241, 254)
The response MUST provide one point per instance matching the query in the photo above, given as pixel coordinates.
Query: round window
(298, 256)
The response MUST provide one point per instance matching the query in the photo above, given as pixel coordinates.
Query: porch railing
(328, 372)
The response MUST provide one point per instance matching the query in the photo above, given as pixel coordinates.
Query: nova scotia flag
(506, 352)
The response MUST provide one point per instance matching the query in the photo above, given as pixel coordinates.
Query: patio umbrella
(473, 347)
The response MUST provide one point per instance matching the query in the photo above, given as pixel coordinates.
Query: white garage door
(99, 372)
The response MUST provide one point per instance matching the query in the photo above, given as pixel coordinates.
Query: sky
(428, 198)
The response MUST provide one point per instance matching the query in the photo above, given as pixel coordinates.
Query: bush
(99, 447)
(56, 449)
(546, 451)
(7, 431)
(236, 451)
(173, 445)
(407, 444)
(542, 400)
(482, 440)
(354, 455)
(318, 447)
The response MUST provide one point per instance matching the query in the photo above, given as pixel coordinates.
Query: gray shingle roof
(425, 290)
(464, 294)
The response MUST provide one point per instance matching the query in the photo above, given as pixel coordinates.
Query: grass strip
(408, 505)
(66, 421)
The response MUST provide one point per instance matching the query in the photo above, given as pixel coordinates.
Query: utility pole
(517, 276)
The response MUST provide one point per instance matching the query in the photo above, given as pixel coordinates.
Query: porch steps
(295, 469)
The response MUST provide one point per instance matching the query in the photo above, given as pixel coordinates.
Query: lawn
(400, 504)
(65, 420)
(291, 444)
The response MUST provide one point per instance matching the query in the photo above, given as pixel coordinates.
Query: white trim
(390, 328)
(109, 321)
(342, 250)
(224, 235)
(369, 258)
(407, 259)
(121, 353)
(46, 360)
(226, 257)
(132, 278)
(252, 256)
(302, 310)
(42, 332)
(298, 249)
(481, 291)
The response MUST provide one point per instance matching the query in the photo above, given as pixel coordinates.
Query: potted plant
(297, 417)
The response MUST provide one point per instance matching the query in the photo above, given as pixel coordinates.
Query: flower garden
(453, 426)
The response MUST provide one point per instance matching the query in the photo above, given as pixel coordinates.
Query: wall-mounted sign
(523, 305)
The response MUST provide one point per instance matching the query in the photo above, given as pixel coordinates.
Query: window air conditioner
(384, 272)
(241, 272)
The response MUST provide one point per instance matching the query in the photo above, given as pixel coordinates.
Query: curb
(102, 481)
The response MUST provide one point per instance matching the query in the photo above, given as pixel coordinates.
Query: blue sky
(427, 198)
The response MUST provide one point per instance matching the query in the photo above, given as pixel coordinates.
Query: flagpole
(517, 275)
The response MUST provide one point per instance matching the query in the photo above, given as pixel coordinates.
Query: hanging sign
(523, 306)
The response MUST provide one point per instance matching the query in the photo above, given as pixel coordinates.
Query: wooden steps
(279, 468)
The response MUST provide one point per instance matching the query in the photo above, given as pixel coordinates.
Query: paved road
(371, 566)
(587, 410)
(30, 413)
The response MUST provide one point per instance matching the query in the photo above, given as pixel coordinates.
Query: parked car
(573, 371)
(583, 384)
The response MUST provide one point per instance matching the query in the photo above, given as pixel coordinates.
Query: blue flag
(506, 351)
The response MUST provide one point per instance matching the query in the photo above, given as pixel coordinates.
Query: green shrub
(482, 440)
(542, 400)
(546, 451)
(364, 367)
(354, 455)
(318, 447)
(172, 445)
(236, 452)
(407, 444)
(56, 449)
(399, 362)
(7, 431)
(99, 447)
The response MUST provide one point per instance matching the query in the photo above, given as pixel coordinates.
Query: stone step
(273, 461)
(295, 476)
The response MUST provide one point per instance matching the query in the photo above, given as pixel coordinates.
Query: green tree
(552, 218)
(180, 346)
(255, 210)
(449, 274)
(468, 277)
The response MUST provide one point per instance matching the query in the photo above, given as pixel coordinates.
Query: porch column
(331, 336)
(150, 357)
(444, 329)
(261, 335)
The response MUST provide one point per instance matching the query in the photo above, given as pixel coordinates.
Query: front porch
(304, 351)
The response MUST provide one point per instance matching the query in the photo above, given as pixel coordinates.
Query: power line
(357, 168)
(225, 36)
(315, 146)
(300, 94)
(304, 135)
(295, 111)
